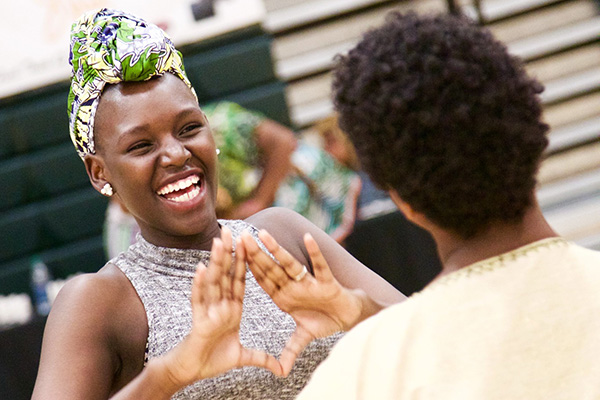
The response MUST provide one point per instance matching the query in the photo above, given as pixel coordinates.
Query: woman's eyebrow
(135, 130)
(188, 111)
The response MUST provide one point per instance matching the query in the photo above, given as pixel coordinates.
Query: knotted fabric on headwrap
(110, 46)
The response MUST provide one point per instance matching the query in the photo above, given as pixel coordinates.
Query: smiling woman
(153, 323)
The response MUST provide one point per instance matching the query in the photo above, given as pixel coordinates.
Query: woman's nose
(174, 153)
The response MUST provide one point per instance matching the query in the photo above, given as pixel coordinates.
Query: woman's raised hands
(319, 305)
(213, 345)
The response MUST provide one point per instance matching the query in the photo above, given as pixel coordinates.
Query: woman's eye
(191, 129)
(138, 147)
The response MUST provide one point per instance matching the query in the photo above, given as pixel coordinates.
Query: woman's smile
(184, 193)
(182, 190)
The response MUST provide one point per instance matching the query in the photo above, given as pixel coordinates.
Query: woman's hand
(213, 345)
(319, 305)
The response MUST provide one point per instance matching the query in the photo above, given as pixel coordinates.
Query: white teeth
(186, 196)
(179, 185)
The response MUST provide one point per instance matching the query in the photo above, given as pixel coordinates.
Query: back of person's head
(441, 113)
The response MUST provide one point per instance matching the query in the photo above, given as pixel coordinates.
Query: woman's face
(154, 146)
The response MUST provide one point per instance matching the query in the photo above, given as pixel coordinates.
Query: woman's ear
(94, 167)
(416, 217)
(413, 216)
(406, 209)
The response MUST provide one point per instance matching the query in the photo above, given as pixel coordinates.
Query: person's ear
(414, 216)
(409, 212)
(95, 169)
(404, 207)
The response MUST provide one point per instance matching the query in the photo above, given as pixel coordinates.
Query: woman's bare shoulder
(99, 288)
(279, 219)
(96, 326)
(103, 299)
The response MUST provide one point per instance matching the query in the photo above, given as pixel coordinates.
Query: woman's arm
(80, 357)
(288, 229)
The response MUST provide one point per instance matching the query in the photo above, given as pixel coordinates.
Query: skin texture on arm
(276, 144)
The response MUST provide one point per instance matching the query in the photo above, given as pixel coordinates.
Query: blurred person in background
(263, 163)
(336, 142)
(372, 201)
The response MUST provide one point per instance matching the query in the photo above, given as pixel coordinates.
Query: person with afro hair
(450, 124)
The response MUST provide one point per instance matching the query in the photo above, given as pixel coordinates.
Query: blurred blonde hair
(336, 143)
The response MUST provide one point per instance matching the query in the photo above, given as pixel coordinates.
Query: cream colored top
(523, 325)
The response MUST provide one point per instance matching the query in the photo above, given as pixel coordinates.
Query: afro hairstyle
(440, 112)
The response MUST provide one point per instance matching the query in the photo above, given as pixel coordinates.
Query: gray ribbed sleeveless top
(163, 277)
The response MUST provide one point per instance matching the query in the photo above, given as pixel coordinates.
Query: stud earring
(218, 151)
(107, 190)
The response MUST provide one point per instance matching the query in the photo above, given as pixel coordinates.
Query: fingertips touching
(261, 359)
(292, 349)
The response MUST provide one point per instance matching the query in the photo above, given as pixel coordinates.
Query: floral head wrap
(110, 46)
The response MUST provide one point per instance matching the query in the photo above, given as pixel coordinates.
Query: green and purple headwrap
(110, 46)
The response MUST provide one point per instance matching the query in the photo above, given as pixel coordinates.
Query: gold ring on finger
(301, 274)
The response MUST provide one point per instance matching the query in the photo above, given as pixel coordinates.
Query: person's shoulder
(107, 279)
(274, 218)
(578, 257)
(93, 296)
(585, 251)
(288, 228)
(361, 353)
